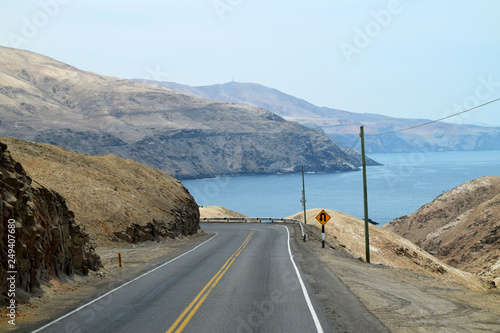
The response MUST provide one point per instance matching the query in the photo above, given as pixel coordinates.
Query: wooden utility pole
(304, 195)
(365, 195)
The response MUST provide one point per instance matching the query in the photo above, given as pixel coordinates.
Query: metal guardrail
(254, 220)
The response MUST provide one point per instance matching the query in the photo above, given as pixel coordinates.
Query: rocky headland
(47, 101)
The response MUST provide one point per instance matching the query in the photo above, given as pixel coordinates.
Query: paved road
(241, 280)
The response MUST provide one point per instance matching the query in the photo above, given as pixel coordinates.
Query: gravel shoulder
(403, 300)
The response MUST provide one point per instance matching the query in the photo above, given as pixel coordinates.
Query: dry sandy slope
(389, 249)
(218, 211)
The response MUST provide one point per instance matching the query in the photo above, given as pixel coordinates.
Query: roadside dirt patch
(390, 249)
(406, 301)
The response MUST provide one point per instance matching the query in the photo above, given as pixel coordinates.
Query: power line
(434, 121)
(355, 143)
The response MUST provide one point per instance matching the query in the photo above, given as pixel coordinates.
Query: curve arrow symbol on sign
(323, 217)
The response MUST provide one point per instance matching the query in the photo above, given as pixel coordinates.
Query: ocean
(400, 186)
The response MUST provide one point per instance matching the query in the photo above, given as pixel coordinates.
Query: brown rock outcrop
(47, 239)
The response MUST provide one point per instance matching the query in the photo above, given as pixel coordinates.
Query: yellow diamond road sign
(323, 217)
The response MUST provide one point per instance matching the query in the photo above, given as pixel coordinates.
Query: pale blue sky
(406, 58)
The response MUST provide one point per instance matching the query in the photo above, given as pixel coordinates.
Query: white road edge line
(123, 285)
(304, 290)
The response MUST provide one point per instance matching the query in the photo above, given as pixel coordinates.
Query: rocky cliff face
(112, 198)
(48, 241)
(461, 227)
(189, 137)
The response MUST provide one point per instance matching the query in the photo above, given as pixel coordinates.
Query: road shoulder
(403, 300)
(345, 311)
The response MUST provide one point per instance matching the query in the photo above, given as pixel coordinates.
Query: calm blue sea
(399, 187)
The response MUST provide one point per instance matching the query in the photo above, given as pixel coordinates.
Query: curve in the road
(253, 284)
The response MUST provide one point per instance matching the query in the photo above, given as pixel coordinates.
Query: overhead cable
(435, 121)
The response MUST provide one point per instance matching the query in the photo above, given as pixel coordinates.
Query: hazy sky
(406, 58)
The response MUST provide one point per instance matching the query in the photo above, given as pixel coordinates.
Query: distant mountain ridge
(343, 126)
(47, 101)
(257, 95)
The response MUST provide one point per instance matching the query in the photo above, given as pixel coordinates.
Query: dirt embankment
(461, 227)
(389, 249)
(100, 201)
(112, 198)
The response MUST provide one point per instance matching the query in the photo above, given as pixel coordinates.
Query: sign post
(322, 218)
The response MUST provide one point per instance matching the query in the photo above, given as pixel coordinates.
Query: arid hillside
(47, 101)
(388, 248)
(461, 227)
(111, 197)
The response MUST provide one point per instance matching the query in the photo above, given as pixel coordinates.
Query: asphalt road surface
(244, 279)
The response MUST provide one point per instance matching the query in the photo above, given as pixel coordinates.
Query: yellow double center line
(189, 312)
